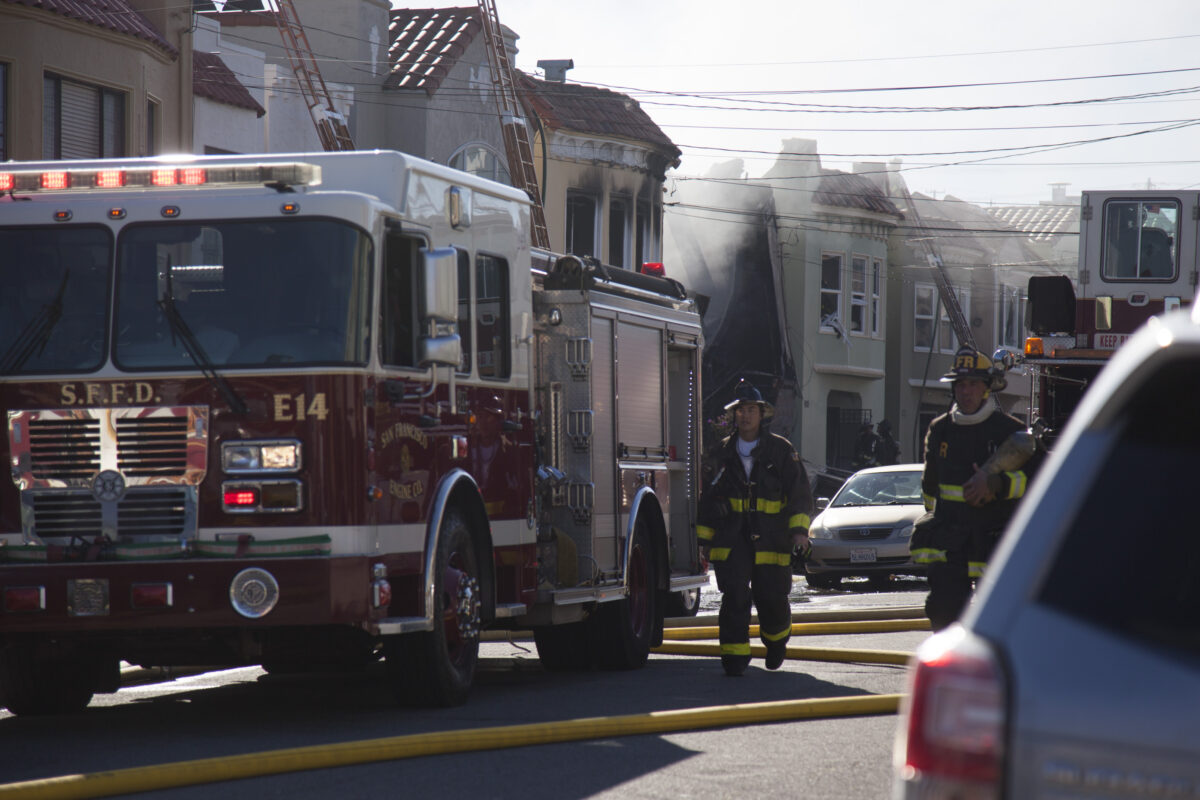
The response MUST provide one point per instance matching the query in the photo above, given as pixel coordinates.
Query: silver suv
(1076, 671)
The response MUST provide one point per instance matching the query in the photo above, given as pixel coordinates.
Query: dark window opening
(492, 316)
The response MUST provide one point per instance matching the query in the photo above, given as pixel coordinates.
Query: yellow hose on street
(843, 654)
(248, 765)
(812, 628)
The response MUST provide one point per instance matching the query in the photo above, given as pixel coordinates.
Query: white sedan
(866, 528)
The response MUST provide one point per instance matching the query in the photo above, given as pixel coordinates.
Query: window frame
(829, 257)
(576, 198)
(620, 207)
(111, 118)
(858, 296)
(504, 305)
(876, 292)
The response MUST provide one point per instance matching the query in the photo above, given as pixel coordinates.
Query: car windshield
(251, 293)
(880, 489)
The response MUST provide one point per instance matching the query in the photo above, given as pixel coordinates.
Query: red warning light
(241, 498)
(55, 180)
(163, 177)
(7, 181)
(110, 178)
(192, 176)
(653, 268)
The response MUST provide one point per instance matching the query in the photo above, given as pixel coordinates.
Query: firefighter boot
(776, 653)
(735, 665)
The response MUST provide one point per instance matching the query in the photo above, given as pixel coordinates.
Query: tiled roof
(846, 190)
(426, 43)
(113, 15)
(213, 79)
(1041, 222)
(588, 109)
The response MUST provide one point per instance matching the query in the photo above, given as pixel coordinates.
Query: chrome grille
(64, 448)
(143, 511)
(863, 534)
(152, 446)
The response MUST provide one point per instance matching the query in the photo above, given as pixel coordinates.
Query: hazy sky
(1026, 81)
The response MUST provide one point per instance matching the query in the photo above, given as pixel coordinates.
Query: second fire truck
(317, 410)
(1137, 258)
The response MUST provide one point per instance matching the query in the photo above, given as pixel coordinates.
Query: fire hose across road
(248, 765)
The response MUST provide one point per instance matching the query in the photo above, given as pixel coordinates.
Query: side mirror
(438, 299)
(822, 503)
(441, 351)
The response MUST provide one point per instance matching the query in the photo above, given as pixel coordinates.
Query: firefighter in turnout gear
(978, 461)
(753, 513)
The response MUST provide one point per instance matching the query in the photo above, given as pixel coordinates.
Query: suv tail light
(950, 742)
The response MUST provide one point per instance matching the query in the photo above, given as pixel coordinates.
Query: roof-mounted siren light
(654, 268)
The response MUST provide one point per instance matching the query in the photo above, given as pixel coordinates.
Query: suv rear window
(1131, 561)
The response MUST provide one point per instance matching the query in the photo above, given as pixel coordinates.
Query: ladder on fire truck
(331, 125)
(945, 291)
(512, 121)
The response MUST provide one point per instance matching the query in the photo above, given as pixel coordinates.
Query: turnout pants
(742, 581)
(954, 556)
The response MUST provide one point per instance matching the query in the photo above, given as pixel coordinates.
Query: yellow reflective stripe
(741, 505)
(1016, 484)
(975, 568)
(735, 649)
(929, 501)
(719, 553)
(705, 533)
(928, 555)
(775, 637)
(781, 559)
(800, 521)
(949, 491)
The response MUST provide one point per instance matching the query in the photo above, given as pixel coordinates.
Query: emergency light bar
(158, 177)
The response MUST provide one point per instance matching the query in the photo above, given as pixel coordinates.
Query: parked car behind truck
(866, 528)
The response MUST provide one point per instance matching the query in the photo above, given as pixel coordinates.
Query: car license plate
(862, 555)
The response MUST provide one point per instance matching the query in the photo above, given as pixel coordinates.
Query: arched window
(481, 160)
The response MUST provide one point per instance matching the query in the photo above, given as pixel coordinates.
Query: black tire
(684, 604)
(565, 648)
(31, 686)
(437, 668)
(626, 628)
(823, 581)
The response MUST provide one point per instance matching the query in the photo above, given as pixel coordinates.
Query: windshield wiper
(36, 334)
(180, 330)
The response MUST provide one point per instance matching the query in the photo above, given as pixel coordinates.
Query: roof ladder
(512, 121)
(330, 124)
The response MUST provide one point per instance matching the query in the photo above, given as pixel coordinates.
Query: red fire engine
(315, 410)
(1137, 259)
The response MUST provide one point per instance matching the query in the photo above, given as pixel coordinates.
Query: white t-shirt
(744, 449)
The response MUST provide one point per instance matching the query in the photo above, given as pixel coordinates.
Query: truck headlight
(271, 456)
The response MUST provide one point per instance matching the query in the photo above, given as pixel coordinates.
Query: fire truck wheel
(624, 629)
(31, 686)
(684, 604)
(437, 668)
(565, 648)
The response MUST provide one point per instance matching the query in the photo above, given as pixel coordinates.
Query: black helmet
(970, 363)
(747, 392)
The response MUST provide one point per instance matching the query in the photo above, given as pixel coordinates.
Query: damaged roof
(590, 109)
(846, 190)
(113, 15)
(426, 43)
(212, 78)
(1040, 223)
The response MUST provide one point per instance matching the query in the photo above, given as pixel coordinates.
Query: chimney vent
(556, 68)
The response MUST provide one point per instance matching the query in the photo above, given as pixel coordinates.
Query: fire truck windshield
(53, 309)
(254, 293)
